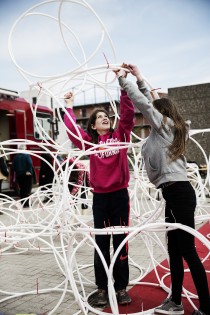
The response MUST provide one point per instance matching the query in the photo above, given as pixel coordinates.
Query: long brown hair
(91, 121)
(168, 109)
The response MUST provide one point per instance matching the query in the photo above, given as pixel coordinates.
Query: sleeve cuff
(140, 83)
(123, 93)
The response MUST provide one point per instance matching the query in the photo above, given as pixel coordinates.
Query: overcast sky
(168, 39)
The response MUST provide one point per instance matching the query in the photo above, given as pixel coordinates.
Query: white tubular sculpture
(59, 226)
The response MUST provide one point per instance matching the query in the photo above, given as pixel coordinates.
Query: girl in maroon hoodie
(109, 178)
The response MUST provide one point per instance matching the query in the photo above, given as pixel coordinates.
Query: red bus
(17, 122)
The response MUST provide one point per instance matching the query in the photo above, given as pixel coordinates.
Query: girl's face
(102, 123)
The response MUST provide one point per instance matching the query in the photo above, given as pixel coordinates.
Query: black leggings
(25, 184)
(111, 209)
(180, 207)
(1, 180)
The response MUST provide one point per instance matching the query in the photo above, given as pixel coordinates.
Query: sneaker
(198, 312)
(99, 298)
(169, 307)
(123, 297)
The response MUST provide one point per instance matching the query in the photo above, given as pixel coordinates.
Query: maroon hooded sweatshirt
(109, 170)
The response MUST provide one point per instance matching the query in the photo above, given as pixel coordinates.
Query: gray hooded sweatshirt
(160, 168)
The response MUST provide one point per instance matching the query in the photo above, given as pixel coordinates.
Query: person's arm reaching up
(134, 70)
(69, 99)
(126, 122)
(141, 101)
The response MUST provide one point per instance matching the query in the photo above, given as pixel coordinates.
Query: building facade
(194, 104)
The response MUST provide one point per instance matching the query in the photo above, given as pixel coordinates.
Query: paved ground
(34, 271)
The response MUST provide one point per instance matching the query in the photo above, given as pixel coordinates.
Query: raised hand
(121, 73)
(134, 70)
(69, 99)
(69, 95)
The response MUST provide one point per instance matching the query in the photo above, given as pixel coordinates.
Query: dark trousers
(83, 195)
(1, 180)
(111, 209)
(25, 185)
(180, 207)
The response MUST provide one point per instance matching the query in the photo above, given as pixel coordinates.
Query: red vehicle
(17, 122)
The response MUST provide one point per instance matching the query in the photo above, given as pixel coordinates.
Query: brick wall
(193, 103)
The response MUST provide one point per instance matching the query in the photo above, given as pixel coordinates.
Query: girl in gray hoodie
(165, 163)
